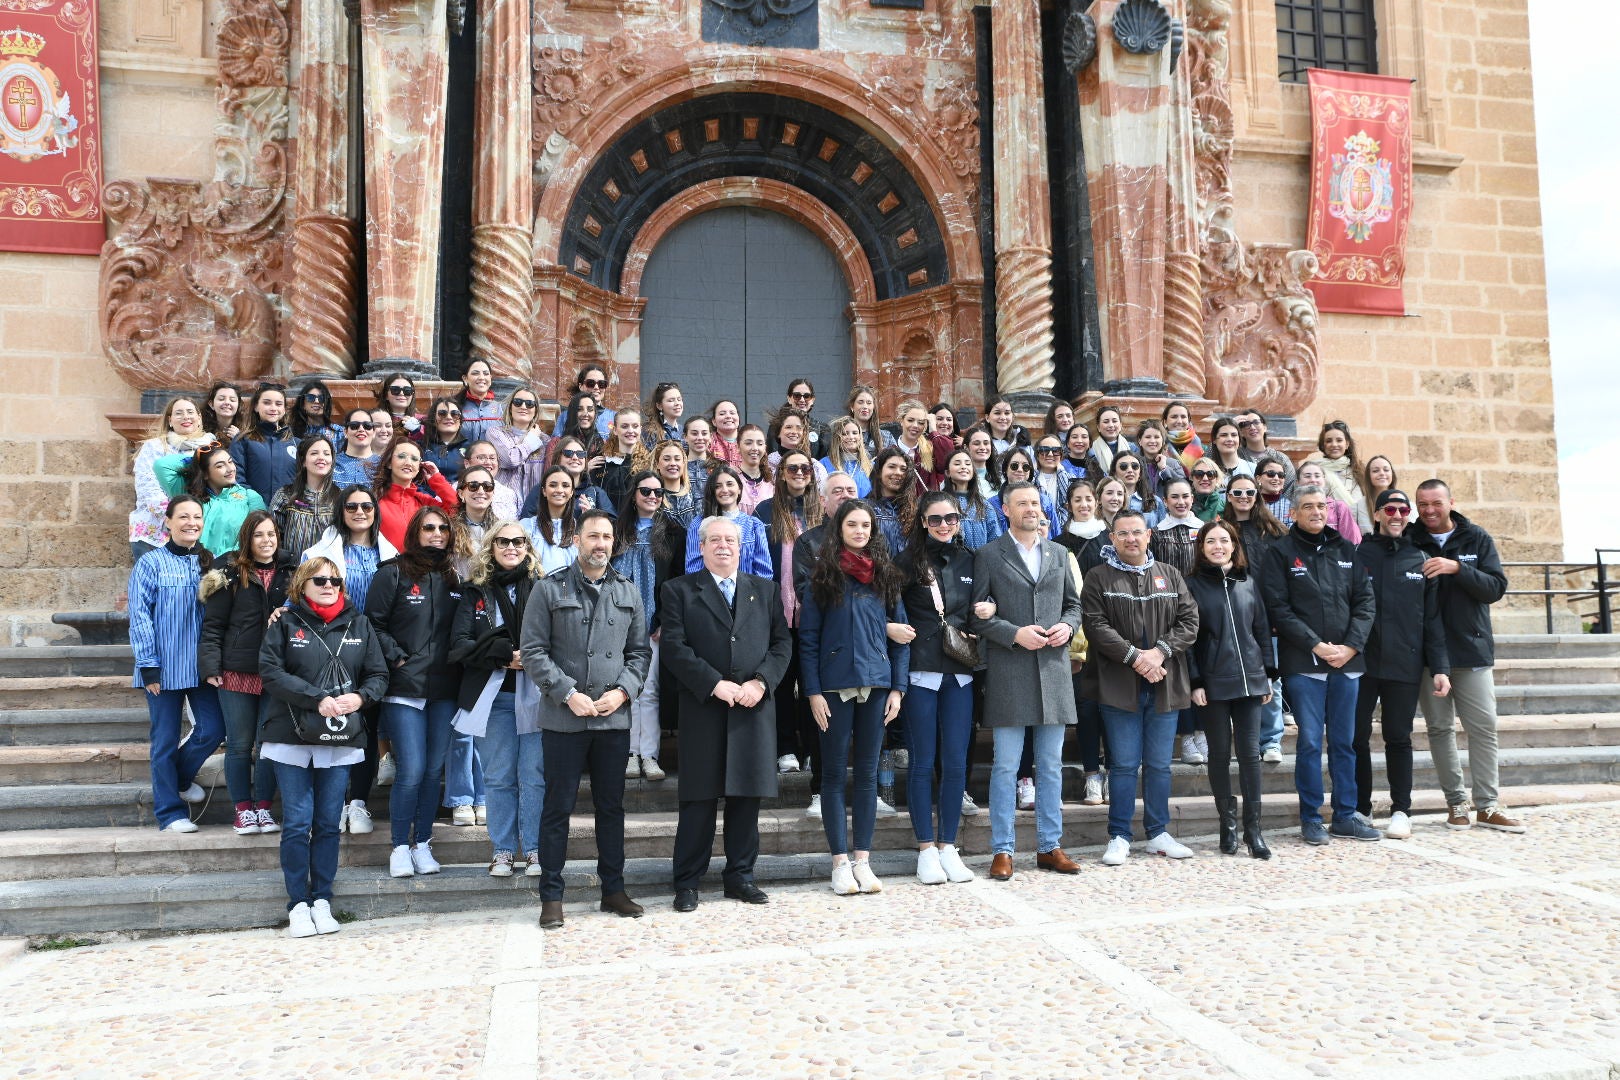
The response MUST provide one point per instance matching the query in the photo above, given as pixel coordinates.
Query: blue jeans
(938, 726)
(246, 780)
(175, 764)
(1271, 718)
(860, 724)
(1009, 748)
(311, 804)
(420, 739)
(1140, 740)
(514, 773)
(463, 773)
(1329, 705)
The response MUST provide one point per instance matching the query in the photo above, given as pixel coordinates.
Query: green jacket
(222, 515)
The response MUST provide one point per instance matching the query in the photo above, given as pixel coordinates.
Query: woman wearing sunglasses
(396, 395)
(1015, 467)
(357, 459)
(794, 508)
(571, 455)
(1129, 470)
(1208, 498)
(1051, 479)
(400, 469)
(313, 414)
(648, 548)
(521, 443)
(320, 624)
(476, 512)
(446, 442)
(412, 603)
(592, 381)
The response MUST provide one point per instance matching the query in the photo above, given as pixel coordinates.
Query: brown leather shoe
(1001, 867)
(1056, 861)
(621, 905)
(551, 915)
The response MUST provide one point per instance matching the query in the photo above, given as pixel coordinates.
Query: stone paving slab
(1456, 955)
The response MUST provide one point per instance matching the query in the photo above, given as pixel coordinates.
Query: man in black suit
(725, 641)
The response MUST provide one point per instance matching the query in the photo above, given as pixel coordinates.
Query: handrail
(1599, 589)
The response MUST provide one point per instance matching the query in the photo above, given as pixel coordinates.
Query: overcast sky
(1580, 175)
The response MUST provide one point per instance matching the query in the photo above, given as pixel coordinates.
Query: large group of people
(445, 596)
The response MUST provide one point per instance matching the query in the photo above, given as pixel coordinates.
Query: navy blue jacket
(1466, 596)
(848, 645)
(1408, 635)
(267, 466)
(1315, 592)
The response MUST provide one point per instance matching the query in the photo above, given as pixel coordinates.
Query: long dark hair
(413, 560)
(210, 419)
(430, 426)
(904, 500)
(590, 438)
(711, 506)
(1356, 468)
(195, 472)
(827, 580)
(975, 497)
(205, 558)
(570, 511)
(783, 524)
(1240, 561)
(1016, 434)
(249, 427)
(301, 424)
(382, 394)
(914, 561)
(1261, 516)
(382, 471)
(343, 523)
(1144, 490)
(294, 488)
(627, 523)
(242, 557)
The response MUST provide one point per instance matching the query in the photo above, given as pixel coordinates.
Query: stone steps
(1557, 699)
(67, 660)
(1556, 646)
(71, 692)
(122, 883)
(1559, 671)
(56, 727)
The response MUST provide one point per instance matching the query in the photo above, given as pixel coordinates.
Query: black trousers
(1229, 723)
(570, 755)
(364, 775)
(1400, 702)
(694, 840)
(796, 731)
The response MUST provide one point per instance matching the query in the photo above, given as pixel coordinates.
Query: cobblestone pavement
(1476, 954)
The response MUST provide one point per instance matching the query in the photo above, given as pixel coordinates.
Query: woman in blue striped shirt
(165, 624)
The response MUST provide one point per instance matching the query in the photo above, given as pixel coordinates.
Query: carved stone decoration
(567, 82)
(1024, 336)
(1079, 41)
(1141, 26)
(1183, 300)
(503, 192)
(1260, 322)
(190, 277)
(791, 24)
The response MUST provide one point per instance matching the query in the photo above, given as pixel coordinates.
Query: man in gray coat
(585, 647)
(1026, 608)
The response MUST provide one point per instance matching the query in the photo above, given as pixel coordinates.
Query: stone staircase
(79, 851)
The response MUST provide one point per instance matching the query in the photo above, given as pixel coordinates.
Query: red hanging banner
(1361, 190)
(50, 127)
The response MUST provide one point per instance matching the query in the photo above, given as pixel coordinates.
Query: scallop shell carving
(1079, 41)
(1141, 26)
(1178, 41)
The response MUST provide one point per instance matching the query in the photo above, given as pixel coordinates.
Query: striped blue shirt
(360, 566)
(165, 617)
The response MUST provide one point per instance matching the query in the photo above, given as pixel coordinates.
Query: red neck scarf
(856, 566)
(329, 612)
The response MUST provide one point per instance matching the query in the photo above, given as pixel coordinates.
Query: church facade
(1078, 199)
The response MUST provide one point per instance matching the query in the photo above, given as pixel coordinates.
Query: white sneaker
(463, 815)
(787, 763)
(1165, 844)
(1026, 794)
(650, 769)
(1272, 755)
(300, 923)
(1093, 796)
(501, 864)
(480, 815)
(359, 818)
(1118, 850)
(632, 768)
(422, 858)
(399, 862)
(885, 810)
(969, 807)
(929, 869)
(951, 861)
(1400, 827)
(843, 880)
(181, 825)
(193, 794)
(864, 877)
(267, 824)
(1189, 751)
(385, 770)
(814, 809)
(534, 868)
(1202, 742)
(321, 913)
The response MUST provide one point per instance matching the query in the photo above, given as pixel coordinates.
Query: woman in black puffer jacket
(1230, 677)
(237, 601)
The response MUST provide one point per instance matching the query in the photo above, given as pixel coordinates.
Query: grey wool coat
(1022, 687)
(723, 750)
(572, 641)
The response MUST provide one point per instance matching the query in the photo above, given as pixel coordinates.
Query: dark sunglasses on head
(478, 485)
(435, 527)
(524, 403)
(593, 384)
(208, 448)
(935, 520)
(650, 491)
(359, 508)
(362, 425)
(511, 541)
(323, 580)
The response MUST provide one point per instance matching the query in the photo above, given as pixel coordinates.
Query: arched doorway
(739, 301)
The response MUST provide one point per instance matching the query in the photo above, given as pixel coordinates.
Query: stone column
(503, 192)
(406, 57)
(1125, 106)
(1183, 288)
(1023, 211)
(325, 256)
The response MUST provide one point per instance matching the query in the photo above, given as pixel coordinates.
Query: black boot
(1252, 836)
(1227, 809)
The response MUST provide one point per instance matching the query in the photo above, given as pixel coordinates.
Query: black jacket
(955, 576)
(291, 663)
(805, 550)
(1466, 596)
(1315, 592)
(1234, 636)
(413, 619)
(477, 644)
(1407, 635)
(235, 617)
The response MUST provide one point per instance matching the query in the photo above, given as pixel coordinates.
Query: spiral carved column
(325, 269)
(1024, 351)
(502, 298)
(1183, 286)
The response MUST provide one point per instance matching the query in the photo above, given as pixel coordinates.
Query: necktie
(728, 589)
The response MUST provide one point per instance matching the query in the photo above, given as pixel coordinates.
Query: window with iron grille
(1336, 34)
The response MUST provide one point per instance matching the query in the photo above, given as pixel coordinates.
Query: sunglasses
(799, 470)
(1197, 475)
(203, 451)
(317, 397)
(511, 541)
(650, 492)
(936, 520)
(431, 527)
(1397, 509)
(593, 384)
(324, 581)
(1049, 451)
(401, 391)
(801, 395)
(362, 425)
(1248, 423)
(359, 508)
(1272, 475)
(1248, 494)
(478, 485)
(524, 403)
(573, 453)
(1128, 466)
(451, 414)
(1018, 466)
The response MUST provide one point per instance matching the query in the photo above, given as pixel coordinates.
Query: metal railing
(1604, 580)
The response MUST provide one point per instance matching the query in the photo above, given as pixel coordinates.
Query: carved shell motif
(1178, 40)
(1141, 26)
(1079, 41)
(253, 50)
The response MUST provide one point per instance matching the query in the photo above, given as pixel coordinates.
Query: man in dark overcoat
(725, 641)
